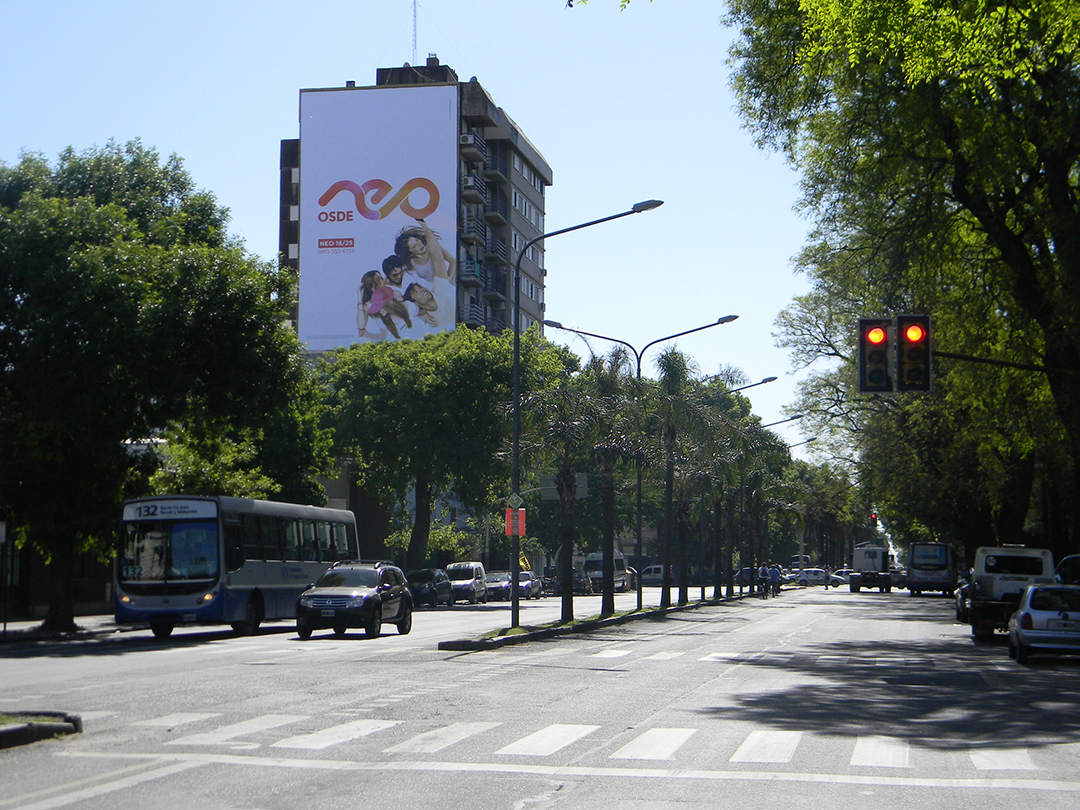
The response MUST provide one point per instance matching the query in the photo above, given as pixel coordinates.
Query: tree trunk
(416, 555)
(60, 617)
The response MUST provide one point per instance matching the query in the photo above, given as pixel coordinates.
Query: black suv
(356, 594)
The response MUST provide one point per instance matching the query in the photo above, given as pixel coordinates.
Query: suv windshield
(349, 578)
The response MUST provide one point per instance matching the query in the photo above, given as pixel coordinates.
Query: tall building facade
(418, 154)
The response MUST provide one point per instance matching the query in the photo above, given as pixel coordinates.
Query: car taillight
(1025, 621)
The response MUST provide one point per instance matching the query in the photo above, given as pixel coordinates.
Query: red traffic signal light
(875, 355)
(913, 353)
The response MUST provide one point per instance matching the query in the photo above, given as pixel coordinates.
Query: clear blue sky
(624, 105)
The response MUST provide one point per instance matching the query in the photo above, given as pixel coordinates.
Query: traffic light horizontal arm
(1005, 363)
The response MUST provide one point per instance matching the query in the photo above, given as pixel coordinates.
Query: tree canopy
(124, 309)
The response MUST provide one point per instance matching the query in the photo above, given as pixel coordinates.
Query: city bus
(217, 560)
(931, 567)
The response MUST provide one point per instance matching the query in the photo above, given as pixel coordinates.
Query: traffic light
(913, 353)
(875, 355)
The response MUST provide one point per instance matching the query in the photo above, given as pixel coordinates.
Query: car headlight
(356, 601)
(305, 601)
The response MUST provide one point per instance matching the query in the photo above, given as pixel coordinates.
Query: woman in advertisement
(419, 247)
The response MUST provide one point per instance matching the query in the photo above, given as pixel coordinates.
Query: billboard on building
(378, 214)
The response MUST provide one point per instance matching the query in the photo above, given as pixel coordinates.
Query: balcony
(495, 248)
(497, 167)
(473, 189)
(474, 231)
(471, 273)
(473, 147)
(474, 315)
(495, 283)
(497, 209)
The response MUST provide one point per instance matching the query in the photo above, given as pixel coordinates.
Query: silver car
(1047, 620)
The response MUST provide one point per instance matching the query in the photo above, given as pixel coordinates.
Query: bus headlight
(208, 597)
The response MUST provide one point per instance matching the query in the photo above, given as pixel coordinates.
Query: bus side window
(350, 539)
(292, 539)
(270, 530)
(252, 546)
(234, 547)
(323, 536)
(339, 549)
(309, 550)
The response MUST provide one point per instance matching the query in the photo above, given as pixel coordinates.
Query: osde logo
(378, 191)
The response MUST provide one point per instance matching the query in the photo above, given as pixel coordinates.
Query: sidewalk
(30, 630)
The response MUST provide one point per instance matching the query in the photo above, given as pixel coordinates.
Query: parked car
(813, 576)
(529, 585)
(1047, 620)
(498, 585)
(430, 586)
(467, 579)
(582, 582)
(356, 595)
(653, 575)
(1068, 570)
(841, 576)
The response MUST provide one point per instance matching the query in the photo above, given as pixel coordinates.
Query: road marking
(767, 746)
(178, 719)
(662, 656)
(335, 734)
(112, 787)
(610, 654)
(431, 741)
(572, 771)
(548, 740)
(656, 743)
(720, 658)
(881, 752)
(226, 733)
(1002, 759)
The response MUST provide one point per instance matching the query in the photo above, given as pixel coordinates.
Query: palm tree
(608, 382)
(676, 373)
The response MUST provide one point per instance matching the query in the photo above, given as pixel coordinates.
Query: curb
(482, 644)
(32, 731)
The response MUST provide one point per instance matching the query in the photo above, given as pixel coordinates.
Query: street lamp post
(515, 551)
(638, 355)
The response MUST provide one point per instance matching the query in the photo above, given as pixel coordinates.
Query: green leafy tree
(124, 309)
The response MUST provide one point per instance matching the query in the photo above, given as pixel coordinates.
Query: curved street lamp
(638, 355)
(515, 553)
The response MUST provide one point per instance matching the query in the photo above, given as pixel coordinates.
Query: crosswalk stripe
(436, 740)
(768, 746)
(656, 743)
(610, 654)
(226, 733)
(548, 740)
(662, 656)
(881, 752)
(1002, 759)
(335, 734)
(178, 719)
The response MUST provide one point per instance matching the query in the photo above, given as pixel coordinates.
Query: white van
(998, 578)
(594, 567)
(469, 581)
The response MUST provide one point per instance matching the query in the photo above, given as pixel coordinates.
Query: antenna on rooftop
(414, 32)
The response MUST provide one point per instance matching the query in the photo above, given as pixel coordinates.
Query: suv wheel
(373, 628)
(405, 625)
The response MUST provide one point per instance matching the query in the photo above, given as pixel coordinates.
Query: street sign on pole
(515, 522)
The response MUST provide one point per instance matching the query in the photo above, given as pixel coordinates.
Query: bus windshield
(165, 551)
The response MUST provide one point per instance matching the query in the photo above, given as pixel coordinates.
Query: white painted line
(226, 733)
(768, 746)
(111, 787)
(656, 743)
(178, 719)
(720, 658)
(548, 740)
(881, 752)
(581, 772)
(610, 654)
(1002, 759)
(431, 741)
(662, 656)
(335, 735)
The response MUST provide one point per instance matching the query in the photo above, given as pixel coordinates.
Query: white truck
(998, 577)
(870, 569)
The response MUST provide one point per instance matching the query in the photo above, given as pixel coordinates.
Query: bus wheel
(161, 629)
(253, 617)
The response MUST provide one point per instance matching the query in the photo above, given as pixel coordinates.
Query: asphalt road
(825, 697)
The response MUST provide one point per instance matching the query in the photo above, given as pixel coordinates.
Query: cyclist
(763, 580)
(774, 580)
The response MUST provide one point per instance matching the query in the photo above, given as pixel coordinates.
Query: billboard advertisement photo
(378, 214)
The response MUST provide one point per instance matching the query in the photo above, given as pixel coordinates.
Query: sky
(625, 106)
